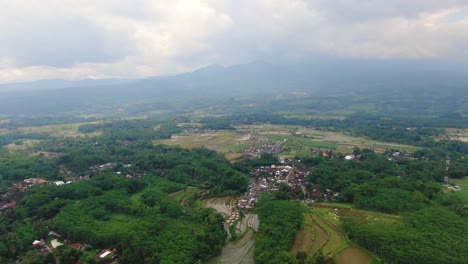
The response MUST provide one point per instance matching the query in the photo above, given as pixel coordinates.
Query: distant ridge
(322, 77)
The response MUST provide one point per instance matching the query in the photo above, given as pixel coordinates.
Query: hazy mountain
(59, 84)
(387, 79)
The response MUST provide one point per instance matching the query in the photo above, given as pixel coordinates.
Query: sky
(80, 39)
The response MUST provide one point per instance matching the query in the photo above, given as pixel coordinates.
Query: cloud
(74, 39)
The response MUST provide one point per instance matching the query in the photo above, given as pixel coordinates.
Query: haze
(133, 39)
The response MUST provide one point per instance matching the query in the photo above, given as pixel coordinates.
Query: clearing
(353, 255)
(457, 134)
(464, 184)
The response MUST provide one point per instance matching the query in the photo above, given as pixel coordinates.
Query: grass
(464, 184)
(318, 144)
(328, 214)
(183, 194)
(226, 142)
(336, 238)
(121, 217)
(182, 197)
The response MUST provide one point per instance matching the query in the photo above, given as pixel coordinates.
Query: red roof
(10, 204)
(41, 181)
(76, 246)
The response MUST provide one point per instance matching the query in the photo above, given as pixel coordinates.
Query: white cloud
(75, 39)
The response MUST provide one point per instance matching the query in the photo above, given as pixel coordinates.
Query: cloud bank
(73, 39)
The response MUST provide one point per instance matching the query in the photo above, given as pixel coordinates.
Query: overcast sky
(76, 39)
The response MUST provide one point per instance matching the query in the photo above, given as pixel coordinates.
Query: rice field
(240, 251)
(65, 130)
(297, 140)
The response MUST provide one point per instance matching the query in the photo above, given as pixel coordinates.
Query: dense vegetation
(133, 215)
(125, 203)
(432, 228)
(279, 222)
(430, 235)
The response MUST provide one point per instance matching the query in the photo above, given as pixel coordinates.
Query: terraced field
(310, 238)
(320, 231)
(239, 251)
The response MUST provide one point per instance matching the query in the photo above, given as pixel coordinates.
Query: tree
(301, 257)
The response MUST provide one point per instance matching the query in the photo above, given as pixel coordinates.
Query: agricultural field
(226, 142)
(311, 117)
(65, 130)
(457, 134)
(321, 231)
(183, 196)
(22, 144)
(297, 140)
(240, 250)
(310, 238)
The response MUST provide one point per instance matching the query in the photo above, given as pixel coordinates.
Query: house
(8, 205)
(38, 244)
(106, 254)
(78, 246)
(54, 234)
(41, 181)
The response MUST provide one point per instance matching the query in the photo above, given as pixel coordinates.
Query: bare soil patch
(353, 255)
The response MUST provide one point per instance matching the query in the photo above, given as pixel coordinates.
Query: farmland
(65, 130)
(321, 231)
(297, 140)
(457, 134)
(239, 250)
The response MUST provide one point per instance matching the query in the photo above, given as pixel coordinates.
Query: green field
(321, 231)
(121, 217)
(298, 140)
(323, 225)
(464, 184)
(65, 130)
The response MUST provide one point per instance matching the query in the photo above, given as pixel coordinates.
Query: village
(270, 178)
(290, 175)
(46, 245)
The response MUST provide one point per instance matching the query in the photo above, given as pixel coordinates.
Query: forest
(279, 222)
(133, 214)
(121, 182)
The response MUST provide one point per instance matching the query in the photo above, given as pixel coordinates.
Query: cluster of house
(28, 183)
(101, 167)
(268, 178)
(107, 256)
(271, 147)
(10, 198)
(199, 130)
